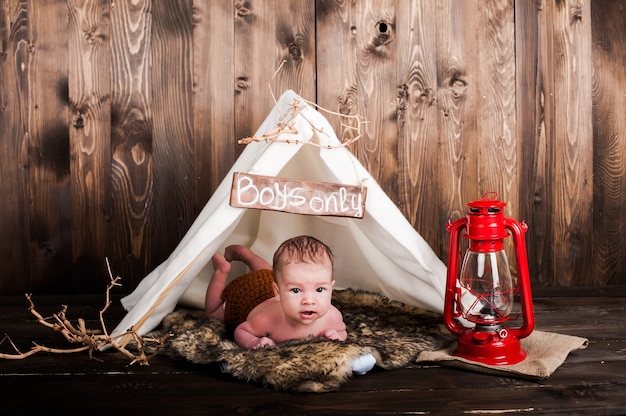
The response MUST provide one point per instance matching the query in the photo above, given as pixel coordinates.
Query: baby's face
(305, 291)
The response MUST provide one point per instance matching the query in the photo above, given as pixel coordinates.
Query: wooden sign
(298, 197)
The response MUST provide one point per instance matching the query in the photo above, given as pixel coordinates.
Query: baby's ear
(276, 293)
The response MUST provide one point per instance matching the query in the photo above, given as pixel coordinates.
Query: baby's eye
(295, 290)
(320, 289)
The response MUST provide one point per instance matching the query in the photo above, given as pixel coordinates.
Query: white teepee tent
(381, 252)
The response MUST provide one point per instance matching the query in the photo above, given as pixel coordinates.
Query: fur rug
(392, 332)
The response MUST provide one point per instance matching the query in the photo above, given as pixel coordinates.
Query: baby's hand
(335, 335)
(262, 342)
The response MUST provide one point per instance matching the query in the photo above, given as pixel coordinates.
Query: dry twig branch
(284, 127)
(91, 340)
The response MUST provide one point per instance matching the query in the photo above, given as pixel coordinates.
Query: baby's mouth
(307, 314)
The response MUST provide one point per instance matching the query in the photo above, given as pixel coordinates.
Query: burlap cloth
(545, 352)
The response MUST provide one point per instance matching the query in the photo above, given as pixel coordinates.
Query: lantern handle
(517, 231)
(449, 306)
(492, 195)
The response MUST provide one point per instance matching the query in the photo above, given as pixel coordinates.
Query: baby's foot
(363, 363)
(245, 255)
(224, 367)
(220, 264)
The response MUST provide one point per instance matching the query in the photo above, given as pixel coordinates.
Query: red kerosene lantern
(482, 293)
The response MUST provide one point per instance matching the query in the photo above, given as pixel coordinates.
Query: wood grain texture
(132, 184)
(48, 147)
(498, 162)
(495, 78)
(89, 93)
(418, 133)
(590, 381)
(609, 143)
(366, 33)
(374, 77)
(456, 78)
(571, 158)
(14, 223)
(118, 119)
(171, 89)
(534, 105)
(213, 96)
(335, 60)
(265, 36)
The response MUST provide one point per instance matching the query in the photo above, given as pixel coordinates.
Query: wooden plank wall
(118, 119)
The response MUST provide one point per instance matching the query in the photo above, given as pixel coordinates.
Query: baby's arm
(336, 327)
(246, 335)
(336, 335)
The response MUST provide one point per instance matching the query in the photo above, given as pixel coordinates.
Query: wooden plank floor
(590, 382)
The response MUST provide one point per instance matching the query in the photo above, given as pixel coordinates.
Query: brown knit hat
(244, 293)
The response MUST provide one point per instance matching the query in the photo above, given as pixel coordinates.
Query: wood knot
(345, 108)
(242, 9)
(383, 36)
(427, 96)
(93, 37)
(403, 91)
(196, 16)
(79, 121)
(383, 28)
(47, 250)
(577, 12)
(346, 105)
(348, 101)
(295, 51)
(457, 84)
(241, 84)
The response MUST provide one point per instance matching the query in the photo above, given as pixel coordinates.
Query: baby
(290, 299)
